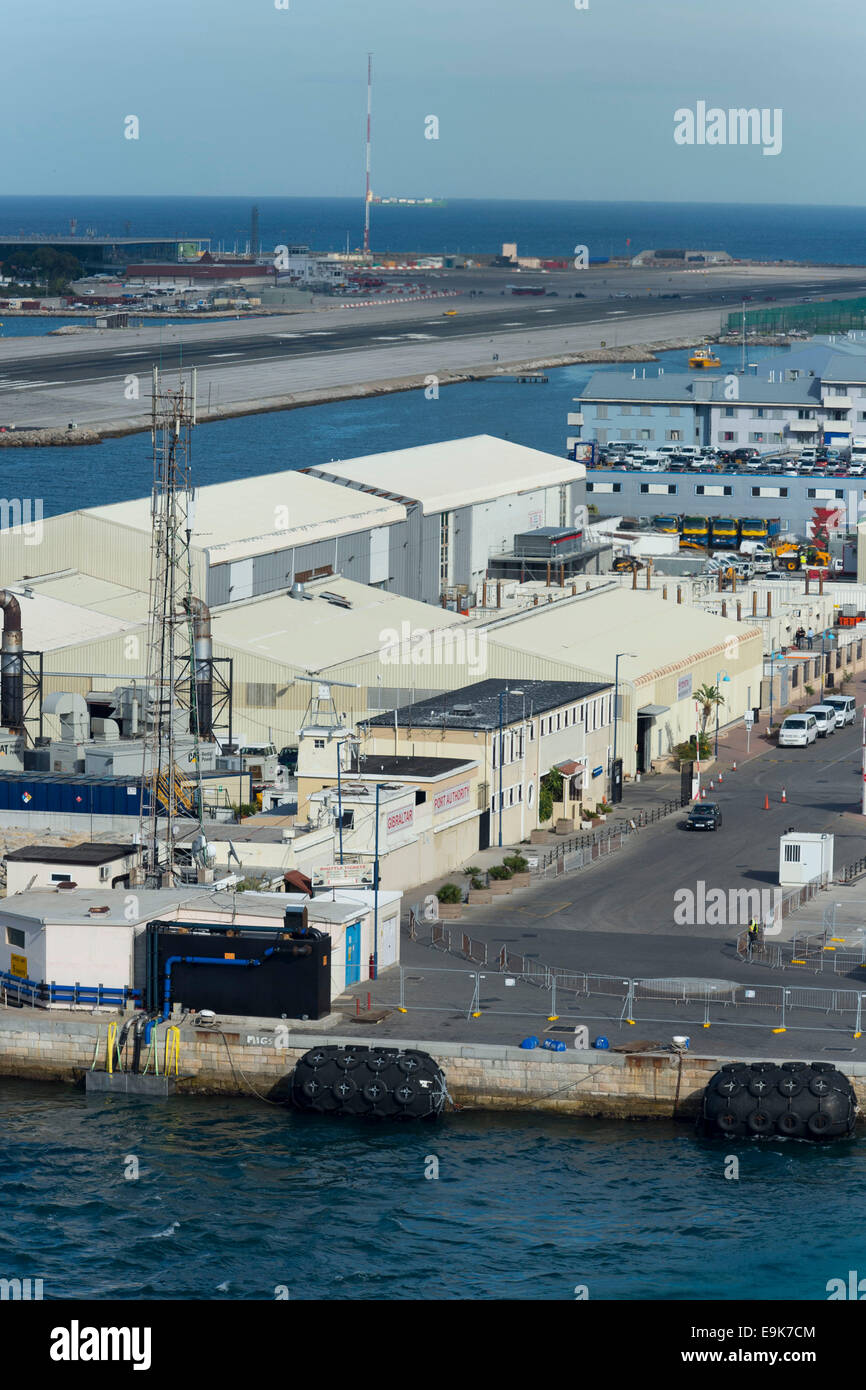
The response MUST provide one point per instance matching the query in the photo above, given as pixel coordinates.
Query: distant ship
(411, 202)
(704, 357)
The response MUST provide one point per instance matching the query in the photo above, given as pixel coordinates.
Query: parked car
(706, 816)
(825, 719)
(845, 707)
(798, 730)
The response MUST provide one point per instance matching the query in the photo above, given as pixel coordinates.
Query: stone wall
(247, 1061)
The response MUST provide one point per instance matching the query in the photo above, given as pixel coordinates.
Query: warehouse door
(484, 830)
(240, 580)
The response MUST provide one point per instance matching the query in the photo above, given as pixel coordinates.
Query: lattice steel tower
(169, 631)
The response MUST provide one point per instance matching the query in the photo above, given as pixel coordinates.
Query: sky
(533, 100)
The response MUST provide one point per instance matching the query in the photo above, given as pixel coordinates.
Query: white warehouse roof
(590, 631)
(274, 511)
(455, 472)
(317, 632)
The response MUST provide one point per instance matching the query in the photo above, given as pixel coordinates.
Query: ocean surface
(235, 1198)
(827, 235)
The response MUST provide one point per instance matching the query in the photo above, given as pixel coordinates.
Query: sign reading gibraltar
(454, 796)
(401, 820)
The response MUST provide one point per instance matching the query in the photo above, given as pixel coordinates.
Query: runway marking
(131, 354)
(225, 354)
(386, 339)
(514, 325)
(323, 333)
(420, 337)
(611, 312)
(287, 335)
(26, 385)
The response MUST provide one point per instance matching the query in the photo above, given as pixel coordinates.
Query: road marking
(553, 911)
(612, 312)
(388, 339)
(287, 335)
(420, 337)
(513, 325)
(131, 354)
(27, 385)
(323, 333)
(225, 354)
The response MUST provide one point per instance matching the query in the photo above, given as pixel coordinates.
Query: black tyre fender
(728, 1121)
(819, 1124)
(793, 1126)
(759, 1122)
(375, 1091)
(791, 1085)
(405, 1093)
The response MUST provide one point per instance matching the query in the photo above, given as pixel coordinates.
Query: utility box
(804, 856)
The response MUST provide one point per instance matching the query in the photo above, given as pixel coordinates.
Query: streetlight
(725, 677)
(616, 720)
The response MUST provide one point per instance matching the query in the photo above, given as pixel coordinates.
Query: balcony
(837, 403)
(575, 417)
(802, 426)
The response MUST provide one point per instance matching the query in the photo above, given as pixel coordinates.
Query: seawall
(251, 1060)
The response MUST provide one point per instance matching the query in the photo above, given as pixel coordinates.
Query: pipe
(11, 664)
(198, 960)
(201, 686)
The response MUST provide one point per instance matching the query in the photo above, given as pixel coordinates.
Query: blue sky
(534, 100)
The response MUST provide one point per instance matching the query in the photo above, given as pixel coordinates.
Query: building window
(674, 412)
(61, 878)
(729, 412)
(674, 436)
(625, 410)
(601, 412)
(444, 550)
(645, 434)
(14, 937)
(726, 436)
(646, 410)
(318, 743)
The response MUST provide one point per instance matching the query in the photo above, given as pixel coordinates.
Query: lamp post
(723, 675)
(616, 712)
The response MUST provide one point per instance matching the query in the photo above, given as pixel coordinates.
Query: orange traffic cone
(720, 779)
(784, 797)
(703, 794)
(766, 802)
(712, 785)
(734, 768)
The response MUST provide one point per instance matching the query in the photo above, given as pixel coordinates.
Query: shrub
(809, 689)
(449, 893)
(686, 751)
(500, 872)
(473, 871)
(516, 863)
(476, 884)
(847, 677)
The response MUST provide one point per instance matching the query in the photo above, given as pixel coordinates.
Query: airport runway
(102, 379)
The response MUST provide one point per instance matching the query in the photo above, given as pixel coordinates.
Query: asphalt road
(619, 913)
(50, 362)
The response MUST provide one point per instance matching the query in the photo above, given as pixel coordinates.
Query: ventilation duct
(11, 664)
(201, 684)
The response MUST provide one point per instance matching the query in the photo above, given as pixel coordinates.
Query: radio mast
(369, 195)
(173, 418)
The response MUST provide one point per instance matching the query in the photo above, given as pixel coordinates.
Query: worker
(754, 935)
(810, 637)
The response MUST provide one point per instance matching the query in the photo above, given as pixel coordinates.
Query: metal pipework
(201, 720)
(11, 664)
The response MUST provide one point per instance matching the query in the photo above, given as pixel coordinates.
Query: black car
(707, 816)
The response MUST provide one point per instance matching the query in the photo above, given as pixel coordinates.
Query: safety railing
(578, 850)
(442, 938)
(40, 993)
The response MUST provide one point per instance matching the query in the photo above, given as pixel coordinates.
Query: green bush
(449, 893)
(500, 872)
(809, 689)
(516, 863)
(686, 751)
(847, 677)
(472, 872)
(476, 884)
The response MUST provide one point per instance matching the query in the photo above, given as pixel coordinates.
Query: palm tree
(708, 697)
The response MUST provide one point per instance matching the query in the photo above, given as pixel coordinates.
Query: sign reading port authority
(401, 820)
(451, 799)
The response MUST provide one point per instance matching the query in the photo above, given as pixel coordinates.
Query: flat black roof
(70, 854)
(477, 706)
(397, 765)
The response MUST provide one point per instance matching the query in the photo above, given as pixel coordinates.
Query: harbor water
(238, 1199)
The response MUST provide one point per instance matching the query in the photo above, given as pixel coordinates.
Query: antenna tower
(173, 418)
(369, 196)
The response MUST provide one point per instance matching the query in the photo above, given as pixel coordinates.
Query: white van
(798, 730)
(845, 707)
(825, 719)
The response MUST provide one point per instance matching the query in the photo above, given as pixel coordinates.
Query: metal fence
(530, 990)
(39, 993)
(442, 938)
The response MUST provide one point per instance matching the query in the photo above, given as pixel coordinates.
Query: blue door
(353, 954)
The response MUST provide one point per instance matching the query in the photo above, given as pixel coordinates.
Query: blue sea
(826, 235)
(237, 1198)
